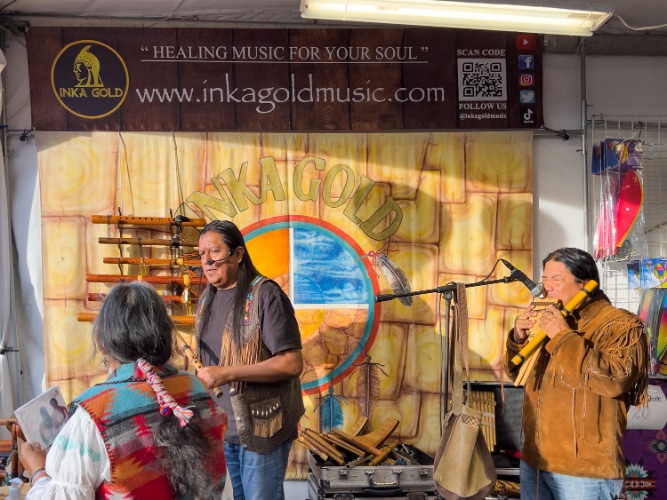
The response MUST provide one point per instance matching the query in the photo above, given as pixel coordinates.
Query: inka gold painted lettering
(313, 184)
(336, 190)
(329, 180)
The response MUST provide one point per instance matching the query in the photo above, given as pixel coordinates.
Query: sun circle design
(332, 287)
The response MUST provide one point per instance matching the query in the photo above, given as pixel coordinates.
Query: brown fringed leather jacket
(577, 396)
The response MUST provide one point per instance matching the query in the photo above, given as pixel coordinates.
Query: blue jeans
(554, 486)
(255, 476)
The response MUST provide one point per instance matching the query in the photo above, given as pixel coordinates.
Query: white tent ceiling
(613, 38)
(161, 11)
(642, 13)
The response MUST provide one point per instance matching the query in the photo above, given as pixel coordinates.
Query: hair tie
(168, 404)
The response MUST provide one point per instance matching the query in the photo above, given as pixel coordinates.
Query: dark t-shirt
(280, 332)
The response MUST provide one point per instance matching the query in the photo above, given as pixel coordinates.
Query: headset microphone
(210, 262)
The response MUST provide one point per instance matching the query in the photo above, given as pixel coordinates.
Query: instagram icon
(526, 80)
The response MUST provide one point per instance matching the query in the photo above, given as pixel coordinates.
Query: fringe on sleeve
(634, 345)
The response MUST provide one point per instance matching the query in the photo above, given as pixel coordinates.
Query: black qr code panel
(482, 80)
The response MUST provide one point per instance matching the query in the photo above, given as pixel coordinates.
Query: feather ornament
(395, 277)
(331, 413)
(368, 385)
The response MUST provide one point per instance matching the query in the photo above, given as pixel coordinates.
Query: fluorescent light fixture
(546, 18)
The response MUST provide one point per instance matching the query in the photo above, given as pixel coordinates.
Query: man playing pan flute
(592, 366)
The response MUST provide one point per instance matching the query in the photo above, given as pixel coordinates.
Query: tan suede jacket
(577, 396)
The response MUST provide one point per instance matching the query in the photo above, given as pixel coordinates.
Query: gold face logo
(89, 79)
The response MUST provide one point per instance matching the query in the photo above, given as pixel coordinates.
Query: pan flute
(525, 357)
(528, 364)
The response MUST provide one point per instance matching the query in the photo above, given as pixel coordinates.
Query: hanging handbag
(463, 466)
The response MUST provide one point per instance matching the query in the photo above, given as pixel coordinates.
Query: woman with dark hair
(148, 431)
(249, 339)
(592, 368)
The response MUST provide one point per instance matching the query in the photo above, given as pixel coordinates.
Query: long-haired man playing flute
(592, 366)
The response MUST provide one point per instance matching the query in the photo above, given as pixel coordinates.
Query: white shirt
(77, 462)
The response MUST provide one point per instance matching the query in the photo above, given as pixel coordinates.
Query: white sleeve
(76, 463)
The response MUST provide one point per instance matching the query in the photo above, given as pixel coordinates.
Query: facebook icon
(526, 61)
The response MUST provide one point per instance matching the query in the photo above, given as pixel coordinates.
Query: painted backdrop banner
(309, 80)
(336, 219)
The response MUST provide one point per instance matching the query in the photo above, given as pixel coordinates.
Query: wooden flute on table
(189, 353)
(536, 342)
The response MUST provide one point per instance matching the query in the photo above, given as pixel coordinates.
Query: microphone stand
(448, 288)
(448, 292)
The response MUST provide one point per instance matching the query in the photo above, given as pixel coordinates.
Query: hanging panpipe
(485, 403)
(535, 341)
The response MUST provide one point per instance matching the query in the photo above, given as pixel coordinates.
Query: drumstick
(189, 353)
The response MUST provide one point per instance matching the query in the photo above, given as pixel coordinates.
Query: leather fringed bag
(463, 466)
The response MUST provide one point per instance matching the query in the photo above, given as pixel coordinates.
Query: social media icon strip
(526, 45)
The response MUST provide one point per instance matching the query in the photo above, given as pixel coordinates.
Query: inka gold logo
(89, 79)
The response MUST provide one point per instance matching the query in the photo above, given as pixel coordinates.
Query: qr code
(482, 80)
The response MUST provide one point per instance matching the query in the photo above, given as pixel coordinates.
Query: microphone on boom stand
(536, 290)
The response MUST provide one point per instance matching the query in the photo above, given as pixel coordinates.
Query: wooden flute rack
(169, 266)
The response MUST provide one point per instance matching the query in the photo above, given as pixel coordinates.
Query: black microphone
(534, 289)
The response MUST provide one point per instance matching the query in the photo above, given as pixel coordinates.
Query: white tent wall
(24, 219)
(615, 85)
(7, 332)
